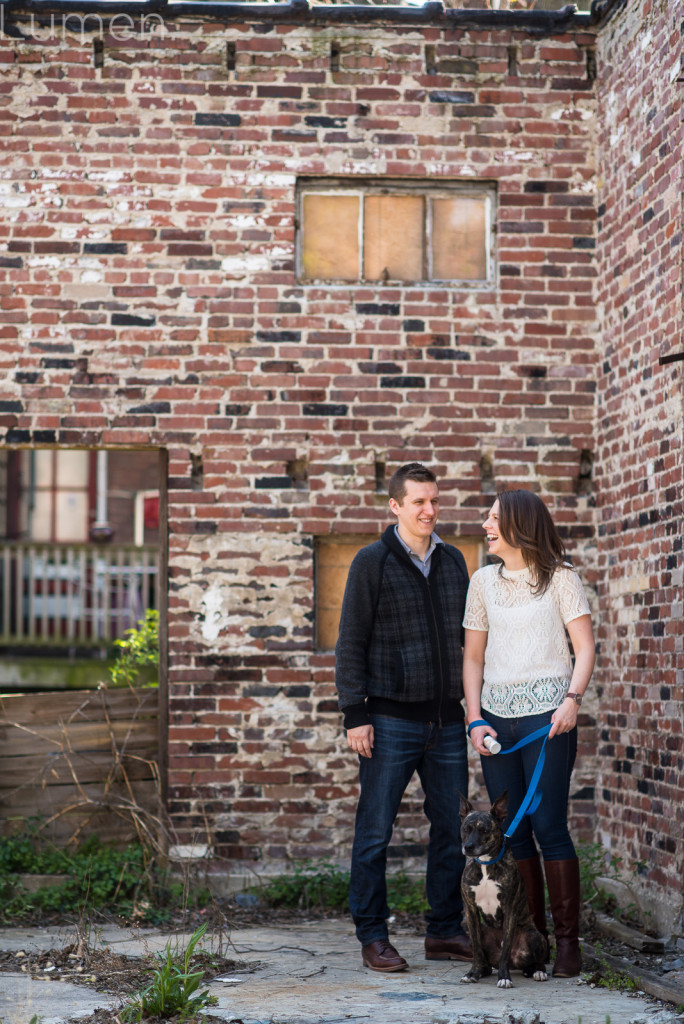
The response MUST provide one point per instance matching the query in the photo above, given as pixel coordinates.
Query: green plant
(97, 878)
(310, 886)
(174, 991)
(607, 976)
(406, 895)
(94, 876)
(139, 651)
(595, 863)
(323, 885)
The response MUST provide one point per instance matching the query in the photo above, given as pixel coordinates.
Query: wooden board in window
(333, 556)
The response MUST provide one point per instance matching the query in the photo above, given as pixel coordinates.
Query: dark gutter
(536, 22)
(603, 10)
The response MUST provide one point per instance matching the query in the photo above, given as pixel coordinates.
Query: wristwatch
(577, 697)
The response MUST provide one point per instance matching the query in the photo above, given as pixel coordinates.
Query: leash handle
(480, 721)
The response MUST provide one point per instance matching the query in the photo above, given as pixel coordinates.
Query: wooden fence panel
(82, 762)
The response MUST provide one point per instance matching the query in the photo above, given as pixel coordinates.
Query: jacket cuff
(355, 716)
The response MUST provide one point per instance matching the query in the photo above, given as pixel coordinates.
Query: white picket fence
(73, 593)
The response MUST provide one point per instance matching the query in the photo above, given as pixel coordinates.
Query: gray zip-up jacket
(399, 649)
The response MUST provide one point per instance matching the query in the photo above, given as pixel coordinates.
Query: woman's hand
(478, 734)
(564, 718)
(581, 636)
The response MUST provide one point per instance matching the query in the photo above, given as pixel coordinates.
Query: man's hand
(360, 740)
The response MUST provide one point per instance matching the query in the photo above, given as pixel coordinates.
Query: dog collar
(486, 863)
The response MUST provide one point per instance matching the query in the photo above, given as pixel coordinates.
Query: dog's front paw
(477, 971)
(504, 983)
(540, 976)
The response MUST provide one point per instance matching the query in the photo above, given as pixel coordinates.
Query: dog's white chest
(486, 894)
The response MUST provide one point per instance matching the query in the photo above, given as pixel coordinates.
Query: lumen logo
(119, 27)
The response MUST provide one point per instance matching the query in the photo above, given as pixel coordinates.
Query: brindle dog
(499, 922)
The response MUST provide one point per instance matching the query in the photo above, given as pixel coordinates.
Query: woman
(518, 676)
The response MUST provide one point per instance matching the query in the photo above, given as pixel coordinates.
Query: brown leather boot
(563, 881)
(382, 956)
(533, 877)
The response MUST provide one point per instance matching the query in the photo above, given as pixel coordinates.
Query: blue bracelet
(480, 721)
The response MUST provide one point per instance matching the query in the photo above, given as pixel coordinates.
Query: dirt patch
(106, 970)
(103, 1016)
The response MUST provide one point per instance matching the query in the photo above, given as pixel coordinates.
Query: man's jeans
(513, 772)
(440, 758)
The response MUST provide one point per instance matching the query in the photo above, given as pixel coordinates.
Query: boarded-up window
(333, 558)
(330, 246)
(393, 237)
(459, 238)
(394, 232)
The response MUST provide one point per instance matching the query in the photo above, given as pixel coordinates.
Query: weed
(310, 886)
(406, 895)
(606, 976)
(174, 992)
(595, 863)
(322, 885)
(138, 652)
(97, 877)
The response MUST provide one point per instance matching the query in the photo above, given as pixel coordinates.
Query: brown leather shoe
(382, 956)
(455, 948)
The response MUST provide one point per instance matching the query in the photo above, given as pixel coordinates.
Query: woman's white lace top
(527, 666)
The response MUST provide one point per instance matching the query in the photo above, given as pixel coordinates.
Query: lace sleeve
(572, 601)
(476, 612)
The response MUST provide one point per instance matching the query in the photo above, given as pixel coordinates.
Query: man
(398, 676)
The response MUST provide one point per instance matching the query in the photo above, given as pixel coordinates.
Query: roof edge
(432, 12)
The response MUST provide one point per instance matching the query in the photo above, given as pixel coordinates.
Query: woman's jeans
(513, 772)
(439, 756)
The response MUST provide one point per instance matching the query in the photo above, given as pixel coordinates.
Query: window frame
(362, 187)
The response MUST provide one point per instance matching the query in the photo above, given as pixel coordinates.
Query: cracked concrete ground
(312, 974)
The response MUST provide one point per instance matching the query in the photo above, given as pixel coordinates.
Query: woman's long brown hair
(526, 523)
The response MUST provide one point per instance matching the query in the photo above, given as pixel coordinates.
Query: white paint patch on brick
(44, 261)
(244, 265)
(109, 175)
(212, 613)
(189, 851)
(520, 155)
(338, 163)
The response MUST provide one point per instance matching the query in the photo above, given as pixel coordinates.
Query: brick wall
(148, 298)
(639, 464)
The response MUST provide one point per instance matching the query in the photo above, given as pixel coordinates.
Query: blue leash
(533, 796)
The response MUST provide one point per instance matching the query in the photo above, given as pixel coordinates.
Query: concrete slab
(312, 974)
(52, 1001)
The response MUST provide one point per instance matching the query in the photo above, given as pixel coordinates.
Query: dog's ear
(500, 807)
(466, 806)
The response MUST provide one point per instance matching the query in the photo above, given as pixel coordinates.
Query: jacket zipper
(439, 654)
